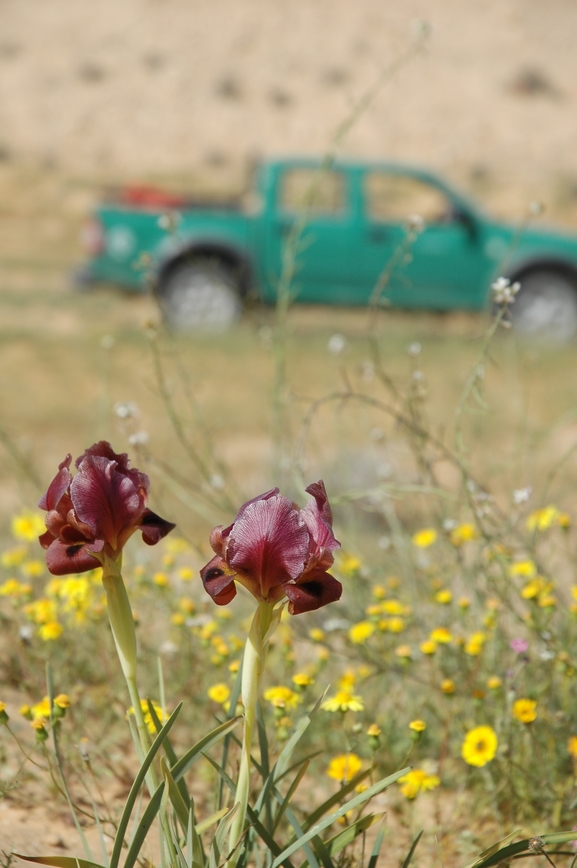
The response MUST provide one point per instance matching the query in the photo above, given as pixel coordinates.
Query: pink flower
(275, 549)
(93, 514)
(519, 645)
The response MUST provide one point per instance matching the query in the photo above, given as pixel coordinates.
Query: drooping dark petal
(269, 543)
(218, 581)
(63, 559)
(318, 590)
(153, 527)
(58, 486)
(106, 500)
(317, 515)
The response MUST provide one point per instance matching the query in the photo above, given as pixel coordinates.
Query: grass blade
(190, 757)
(138, 781)
(411, 852)
(349, 806)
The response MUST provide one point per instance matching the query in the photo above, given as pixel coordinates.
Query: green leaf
(60, 861)
(411, 852)
(143, 827)
(377, 849)
(210, 821)
(327, 821)
(169, 751)
(338, 842)
(180, 808)
(290, 793)
(138, 781)
(493, 856)
(494, 848)
(336, 798)
(190, 757)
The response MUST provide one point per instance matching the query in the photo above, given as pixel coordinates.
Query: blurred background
(98, 93)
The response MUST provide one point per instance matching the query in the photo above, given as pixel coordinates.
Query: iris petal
(269, 543)
(318, 590)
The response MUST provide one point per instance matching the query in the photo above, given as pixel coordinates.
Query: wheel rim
(201, 298)
(546, 307)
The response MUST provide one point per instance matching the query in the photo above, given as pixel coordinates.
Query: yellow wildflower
(525, 710)
(62, 700)
(176, 545)
(50, 631)
(347, 680)
(317, 635)
(543, 519)
(40, 711)
(572, 746)
(14, 588)
(160, 579)
(418, 725)
(343, 701)
(404, 652)
(28, 526)
(379, 592)
(474, 644)
(396, 625)
(13, 557)
(301, 679)
(282, 697)
(463, 602)
(428, 647)
(348, 564)
(463, 533)
(394, 607)
(479, 746)
(218, 693)
(359, 633)
(564, 520)
(494, 682)
(344, 767)
(526, 569)
(444, 596)
(374, 731)
(537, 587)
(185, 574)
(148, 719)
(32, 569)
(417, 781)
(448, 686)
(441, 635)
(425, 537)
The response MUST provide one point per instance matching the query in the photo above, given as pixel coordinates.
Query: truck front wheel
(199, 294)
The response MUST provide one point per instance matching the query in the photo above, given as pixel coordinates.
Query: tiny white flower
(414, 349)
(126, 410)
(333, 624)
(140, 438)
(337, 344)
(522, 495)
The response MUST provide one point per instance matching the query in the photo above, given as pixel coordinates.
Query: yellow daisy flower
(479, 746)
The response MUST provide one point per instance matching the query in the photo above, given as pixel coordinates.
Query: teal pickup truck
(343, 230)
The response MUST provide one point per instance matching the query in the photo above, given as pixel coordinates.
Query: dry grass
(60, 385)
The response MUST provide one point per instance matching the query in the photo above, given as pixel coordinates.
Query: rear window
(393, 198)
(318, 192)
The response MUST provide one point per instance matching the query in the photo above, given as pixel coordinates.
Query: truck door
(309, 226)
(446, 266)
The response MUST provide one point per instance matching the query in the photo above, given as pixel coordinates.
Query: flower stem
(122, 624)
(252, 668)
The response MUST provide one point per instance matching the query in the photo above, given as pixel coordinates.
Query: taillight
(92, 237)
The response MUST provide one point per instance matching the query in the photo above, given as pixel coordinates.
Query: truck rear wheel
(199, 294)
(546, 306)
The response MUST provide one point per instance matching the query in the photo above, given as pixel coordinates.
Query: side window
(392, 198)
(319, 192)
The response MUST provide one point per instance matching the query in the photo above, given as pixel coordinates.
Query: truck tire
(546, 306)
(199, 294)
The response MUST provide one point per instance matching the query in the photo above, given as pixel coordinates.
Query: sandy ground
(122, 88)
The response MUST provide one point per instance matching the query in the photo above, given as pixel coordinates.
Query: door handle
(377, 234)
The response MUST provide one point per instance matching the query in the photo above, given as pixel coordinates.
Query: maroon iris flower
(275, 549)
(92, 515)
